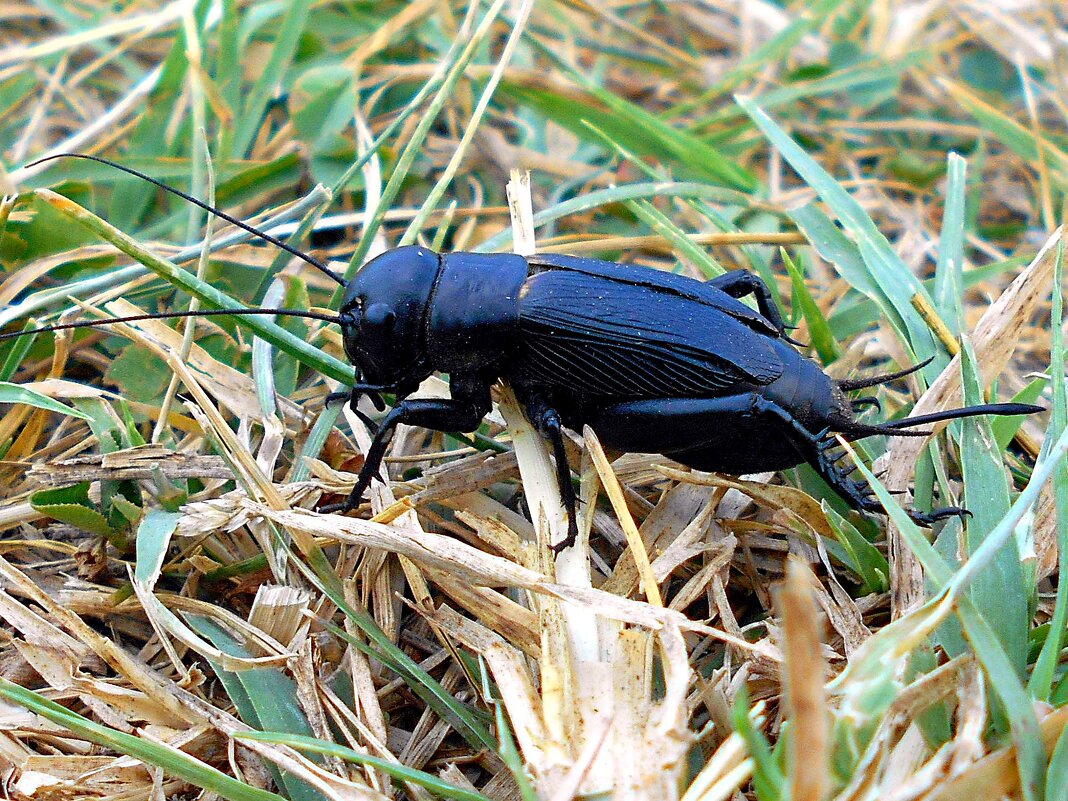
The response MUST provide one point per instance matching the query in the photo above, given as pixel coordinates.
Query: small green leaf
(129, 510)
(74, 514)
(822, 339)
(153, 539)
(768, 779)
(77, 493)
(13, 393)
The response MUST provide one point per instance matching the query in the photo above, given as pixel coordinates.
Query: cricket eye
(380, 315)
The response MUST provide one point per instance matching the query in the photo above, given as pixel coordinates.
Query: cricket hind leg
(858, 492)
(822, 451)
(546, 420)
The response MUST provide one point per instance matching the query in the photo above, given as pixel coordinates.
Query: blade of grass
(863, 558)
(315, 441)
(1001, 594)
(289, 30)
(704, 261)
(1005, 428)
(644, 132)
(888, 280)
(630, 124)
(1009, 132)
(147, 140)
(818, 329)
(1004, 681)
(418, 680)
(394, 769)
(685, 247)
(617, 194)
(415, 144)
(15, 393)
(768, 779)
(48, 297)
(170, 760)
(808, 18)
(471, 128)
(265, 697)
(851, 318)
(19, 348)
(856, 77)
(1049, 658)
(509, 750)
(948, 272)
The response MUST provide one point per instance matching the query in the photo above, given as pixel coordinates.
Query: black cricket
(654, 362)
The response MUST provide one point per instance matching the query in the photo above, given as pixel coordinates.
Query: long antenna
(330, 318)
(318, 265)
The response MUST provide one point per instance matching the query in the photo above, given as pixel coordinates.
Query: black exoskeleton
(654, 362)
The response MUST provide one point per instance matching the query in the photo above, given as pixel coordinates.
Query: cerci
(654, 362)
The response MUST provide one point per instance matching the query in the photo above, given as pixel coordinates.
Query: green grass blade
(17, 353)
(1056, 786)
(509, 751)
(1018, 138)
(289, 29)
(419, 681)
(818, 329)
(48, 298)
(153, 539)
(415, 144)
(394, 769)
(434, 196)
(634, 127)
(145, 142)
(948, 272)
(170, 760)
(888, 281)
(1005, 428)
(617, 194)
(777, 48)
(853, 317)
(16, 393)
(315, 441)
(769, 782)
(1004, 680)
(1049, 657)
(1001, 593)
(685, 247)
(863, 558)
(266, 698)
(843, 253)
(856, 77)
